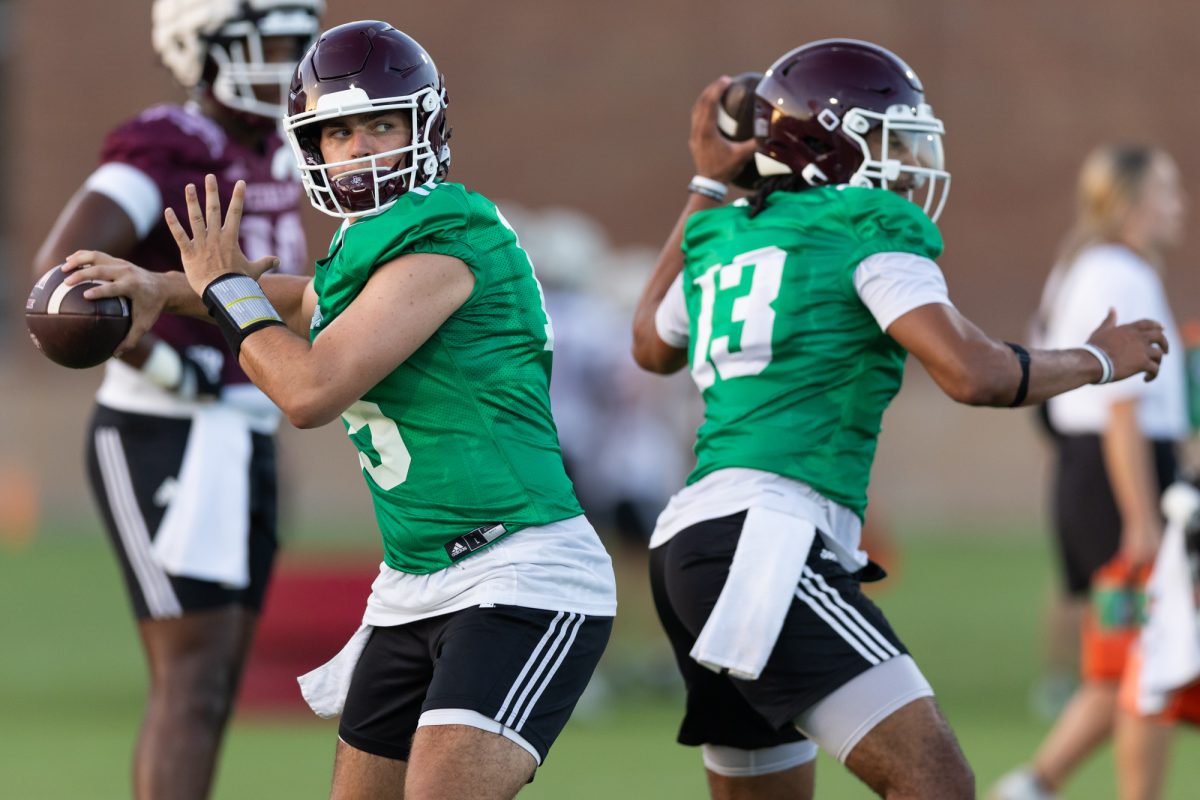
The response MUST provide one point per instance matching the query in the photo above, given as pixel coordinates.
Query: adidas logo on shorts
(458, 549)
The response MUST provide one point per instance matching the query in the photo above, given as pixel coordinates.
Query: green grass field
(71, 682)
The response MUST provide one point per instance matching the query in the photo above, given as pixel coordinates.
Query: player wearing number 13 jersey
(775, 296)
(794, 310)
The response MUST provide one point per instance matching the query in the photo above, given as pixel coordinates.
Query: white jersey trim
(671, 318)
(133, 190)
(729, 491)
(889, 284)
(557, 567)
(892, 284)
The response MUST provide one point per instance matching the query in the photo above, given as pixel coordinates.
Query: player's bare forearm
(282, 364)
(403, 304)
(649, 350)
(975, 369)
(293, 297)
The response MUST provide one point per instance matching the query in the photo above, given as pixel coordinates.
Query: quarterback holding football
(425, 331)
(794, 310)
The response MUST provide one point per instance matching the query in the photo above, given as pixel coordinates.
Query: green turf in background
(71, 683)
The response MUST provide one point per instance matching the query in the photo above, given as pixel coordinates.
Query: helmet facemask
(902, 152)
(237, 50)
(373, 183)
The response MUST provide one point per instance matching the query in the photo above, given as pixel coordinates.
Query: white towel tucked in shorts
(205, 531)
(745, 623)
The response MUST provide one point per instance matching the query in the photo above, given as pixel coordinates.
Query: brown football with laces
(735, 120)
(70, 329)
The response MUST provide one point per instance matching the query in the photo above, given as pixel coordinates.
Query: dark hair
(771, 184)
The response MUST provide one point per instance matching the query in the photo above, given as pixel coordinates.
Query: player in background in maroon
(181, 453)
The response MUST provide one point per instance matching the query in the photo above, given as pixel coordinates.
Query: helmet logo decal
(828, 119)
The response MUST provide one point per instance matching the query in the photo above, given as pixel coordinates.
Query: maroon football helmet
(842, 111)
(357, 68)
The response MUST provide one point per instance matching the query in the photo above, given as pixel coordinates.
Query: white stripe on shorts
(831, 622)
(836, 618)
(131, 526)
(574, 627)
(531, 673)
(537, 651)
(874, 633)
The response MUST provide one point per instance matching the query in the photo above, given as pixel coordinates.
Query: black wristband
(240, 308)
(1023, 360)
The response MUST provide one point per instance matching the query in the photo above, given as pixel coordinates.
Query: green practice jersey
(458, 440)
(794, 369)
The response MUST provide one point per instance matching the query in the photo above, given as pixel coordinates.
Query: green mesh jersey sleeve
(885, 222)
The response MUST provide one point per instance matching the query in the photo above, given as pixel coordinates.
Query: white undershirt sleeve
(671, 318)
(892, 284)
(131, 189)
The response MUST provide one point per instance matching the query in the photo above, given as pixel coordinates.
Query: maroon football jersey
(175, 146)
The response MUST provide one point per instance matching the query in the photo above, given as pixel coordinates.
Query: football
(735, 119)
(70, 329)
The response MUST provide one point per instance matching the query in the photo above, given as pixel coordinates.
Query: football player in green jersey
(794, 311)
(425, 331)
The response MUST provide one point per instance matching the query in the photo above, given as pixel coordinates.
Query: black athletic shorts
(1087, 525)
(514, 671)
(832, 633)
(133, 461)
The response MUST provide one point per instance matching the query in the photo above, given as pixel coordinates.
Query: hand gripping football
(735, 119)
(70, 329)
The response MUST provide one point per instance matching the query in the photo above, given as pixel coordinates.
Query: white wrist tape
(1106, 364)
(712, 189)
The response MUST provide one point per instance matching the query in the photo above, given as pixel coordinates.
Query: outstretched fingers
(182, 240)
(233, 217)
(212, 204)
(195, 213)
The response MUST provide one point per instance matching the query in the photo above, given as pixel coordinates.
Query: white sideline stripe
(831, 622)
(537, 673)
(854, 612)
(537, 651)
(550, 675)
(131, 527)
(848, 623)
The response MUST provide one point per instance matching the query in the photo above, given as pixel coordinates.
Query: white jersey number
(752, 311)
(394, 458)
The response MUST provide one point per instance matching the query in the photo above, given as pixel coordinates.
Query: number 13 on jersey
(749, 314)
